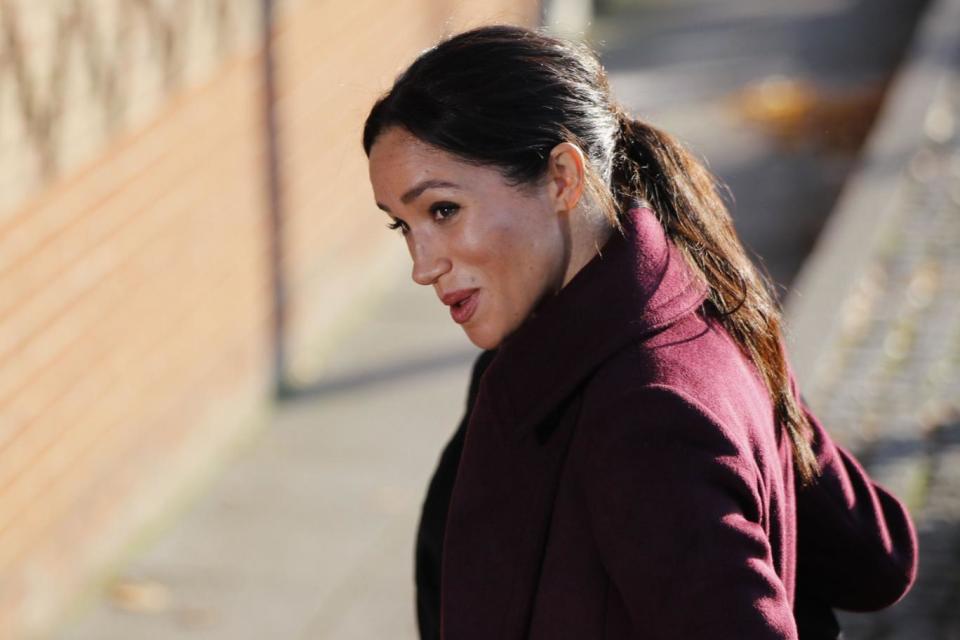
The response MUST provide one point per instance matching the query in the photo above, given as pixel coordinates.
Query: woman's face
(490, 250)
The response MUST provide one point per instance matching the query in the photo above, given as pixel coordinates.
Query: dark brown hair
(505, 96)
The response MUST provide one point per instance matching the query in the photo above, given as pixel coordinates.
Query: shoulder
(669, 428)
(684, 410)
(659, 415)
(654, 445)
(690, 382)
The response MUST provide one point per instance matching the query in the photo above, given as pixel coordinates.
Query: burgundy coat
(622, 477)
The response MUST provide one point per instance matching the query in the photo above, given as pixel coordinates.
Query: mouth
(462, 303)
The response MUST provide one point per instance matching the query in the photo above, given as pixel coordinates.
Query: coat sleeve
(856, 543)
(676, 513)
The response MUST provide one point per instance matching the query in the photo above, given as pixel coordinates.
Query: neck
(588, 234)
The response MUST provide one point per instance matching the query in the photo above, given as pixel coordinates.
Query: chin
(483, 337)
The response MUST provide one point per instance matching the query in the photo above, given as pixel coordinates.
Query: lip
(462, 303)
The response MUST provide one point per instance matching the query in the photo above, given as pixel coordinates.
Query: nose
(428, 262)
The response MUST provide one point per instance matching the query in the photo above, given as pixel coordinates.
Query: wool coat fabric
(620, 475)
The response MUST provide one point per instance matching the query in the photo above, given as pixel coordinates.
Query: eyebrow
(414, 192)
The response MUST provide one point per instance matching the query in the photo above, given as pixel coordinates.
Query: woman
(636, 461)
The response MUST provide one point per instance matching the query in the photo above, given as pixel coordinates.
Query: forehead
(398, 150)
(399, 160)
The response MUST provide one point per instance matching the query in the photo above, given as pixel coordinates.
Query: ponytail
(651, 165)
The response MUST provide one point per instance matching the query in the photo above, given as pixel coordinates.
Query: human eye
(443, 210)
(398, 224)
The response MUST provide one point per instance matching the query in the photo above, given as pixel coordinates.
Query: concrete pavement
(309, 533)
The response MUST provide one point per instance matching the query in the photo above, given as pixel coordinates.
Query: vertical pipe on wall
(274, 206)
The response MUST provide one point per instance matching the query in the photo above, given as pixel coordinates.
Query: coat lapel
(498, 523)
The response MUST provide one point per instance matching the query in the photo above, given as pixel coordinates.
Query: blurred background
(221, 395)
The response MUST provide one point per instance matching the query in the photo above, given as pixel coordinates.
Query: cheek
(498, 252)
(484, 248)
(518, 261)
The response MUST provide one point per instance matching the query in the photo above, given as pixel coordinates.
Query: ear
(566, 173)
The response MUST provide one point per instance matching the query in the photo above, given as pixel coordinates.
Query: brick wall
(135, 276)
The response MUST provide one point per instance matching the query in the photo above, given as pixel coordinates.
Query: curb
(844, 249)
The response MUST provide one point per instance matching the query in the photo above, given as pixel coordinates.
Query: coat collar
(638, 284)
